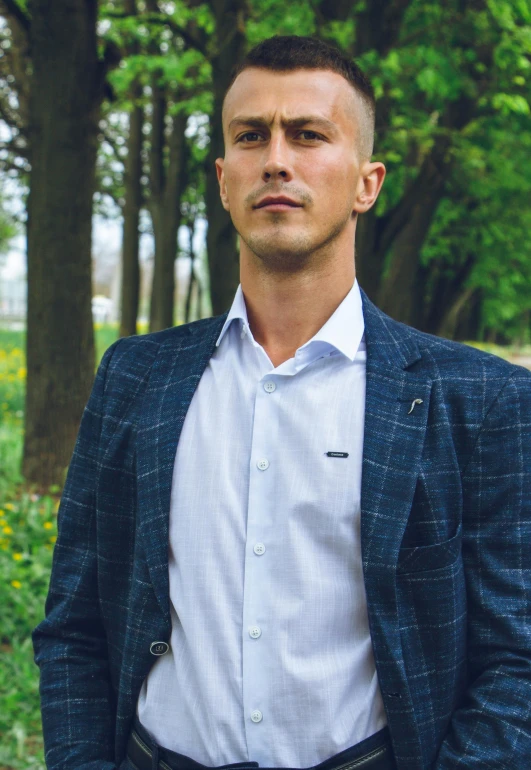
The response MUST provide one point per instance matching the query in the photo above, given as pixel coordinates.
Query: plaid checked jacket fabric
(445, 527)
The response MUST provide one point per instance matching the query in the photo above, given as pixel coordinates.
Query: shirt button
(255, 632)
(263, 464)
(259, 549)
(269, 387)
(256, 715)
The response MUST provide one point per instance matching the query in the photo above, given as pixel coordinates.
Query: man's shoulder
(437, 358)
(140, 350)
(448, 359)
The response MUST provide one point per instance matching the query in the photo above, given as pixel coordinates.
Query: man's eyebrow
(303, 120)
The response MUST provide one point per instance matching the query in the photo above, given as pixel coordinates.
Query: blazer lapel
(174, 376)
(396, 410)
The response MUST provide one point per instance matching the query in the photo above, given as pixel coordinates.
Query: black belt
(144, 754)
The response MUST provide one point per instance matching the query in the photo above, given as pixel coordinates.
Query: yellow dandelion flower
(17, 556)
(16, 584)
(53, 538)
(9, 506)
(8, 531)
(48, 525)
(22, 373)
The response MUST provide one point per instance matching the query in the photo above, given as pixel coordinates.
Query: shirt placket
(260, 554)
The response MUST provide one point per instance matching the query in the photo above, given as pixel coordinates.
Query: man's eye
(313, 136)
(249, 133)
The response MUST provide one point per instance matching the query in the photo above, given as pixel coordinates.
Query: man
(314, 521)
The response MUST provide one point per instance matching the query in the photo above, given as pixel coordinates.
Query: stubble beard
(280, 253)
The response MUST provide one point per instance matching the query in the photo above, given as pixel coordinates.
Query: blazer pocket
(430, 557)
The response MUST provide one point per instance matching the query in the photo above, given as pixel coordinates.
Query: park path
(521, 361)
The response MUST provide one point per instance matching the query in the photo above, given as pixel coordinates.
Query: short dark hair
(283, 53)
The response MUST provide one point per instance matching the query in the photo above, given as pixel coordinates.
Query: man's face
(315, 162)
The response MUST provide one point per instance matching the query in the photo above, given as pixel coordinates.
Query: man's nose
(277, 161)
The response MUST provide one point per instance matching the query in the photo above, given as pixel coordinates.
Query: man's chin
(274, 246)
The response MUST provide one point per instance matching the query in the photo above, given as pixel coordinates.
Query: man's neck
(285, 313)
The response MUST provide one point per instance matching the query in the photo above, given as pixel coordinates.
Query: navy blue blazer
(445, 528)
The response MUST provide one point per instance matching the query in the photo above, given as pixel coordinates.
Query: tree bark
(131, 221)
(168, 185)
(130, 291)
(193, 278)
(402, 292)
(223, 259)
(65, 97)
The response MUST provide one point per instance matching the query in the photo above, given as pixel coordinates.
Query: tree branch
(113, 145)
(192, 39)
(9, 165)
(9, 117)
(11, 146)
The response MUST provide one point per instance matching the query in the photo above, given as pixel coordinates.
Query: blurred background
(111, 222)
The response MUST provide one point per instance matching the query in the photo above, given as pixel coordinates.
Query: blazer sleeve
(491, 726)
(70, 645)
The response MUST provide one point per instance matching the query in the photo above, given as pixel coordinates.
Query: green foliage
(271, 17)
(9, 227)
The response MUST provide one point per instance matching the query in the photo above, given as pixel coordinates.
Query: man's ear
(370, 183)
(222, 186)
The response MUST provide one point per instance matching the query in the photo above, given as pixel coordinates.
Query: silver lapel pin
(415, 401)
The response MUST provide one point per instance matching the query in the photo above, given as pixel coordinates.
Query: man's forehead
(261, 93)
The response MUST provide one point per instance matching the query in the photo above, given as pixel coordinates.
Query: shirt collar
(343, 331)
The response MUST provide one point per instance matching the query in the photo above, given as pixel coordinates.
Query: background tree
(64, 86)
(132, 202)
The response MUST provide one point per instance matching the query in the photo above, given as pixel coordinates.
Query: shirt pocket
(430, 557)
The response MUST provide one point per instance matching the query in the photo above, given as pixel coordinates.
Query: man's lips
(278, 204)
(279, 207)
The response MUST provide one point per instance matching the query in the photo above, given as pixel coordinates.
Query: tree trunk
(131, 223)
(223, 259)
(402, 293)
(64, 111)
(130, 292)
(157, 181)
(191, 285)
(369, 260)
(191, 231)
(469, 319)
(165, 207)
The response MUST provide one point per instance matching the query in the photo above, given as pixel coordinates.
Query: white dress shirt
(270, 658)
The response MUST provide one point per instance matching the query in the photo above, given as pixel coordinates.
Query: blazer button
(159, 648)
